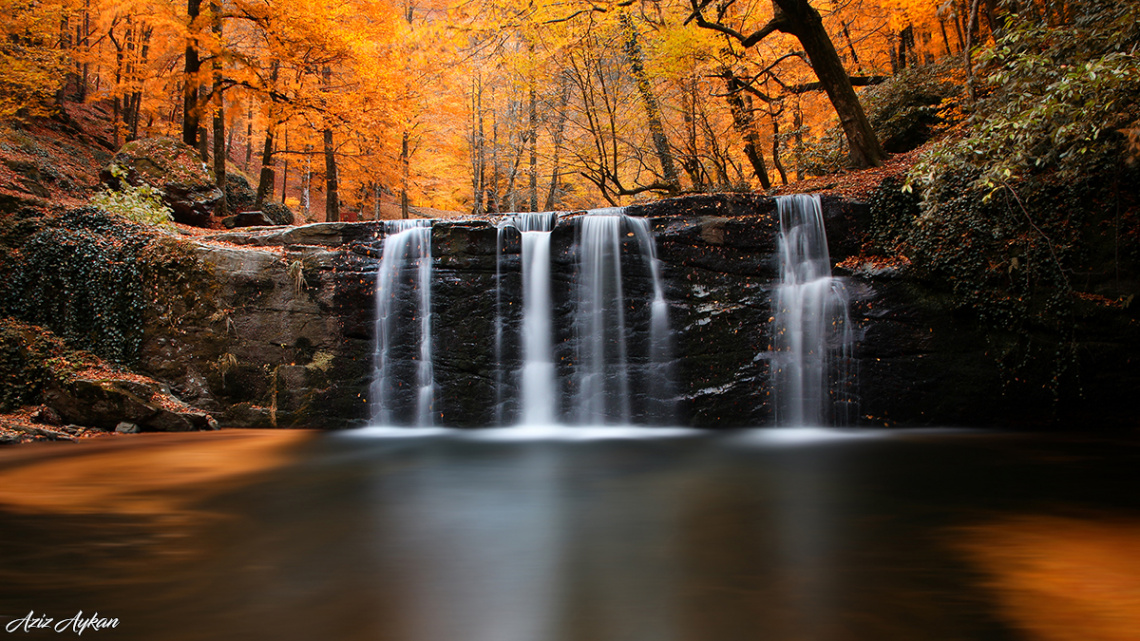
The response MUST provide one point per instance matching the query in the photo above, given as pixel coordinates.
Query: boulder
(108, 403)
(247, 219)
(240, 196)
(45, 416)
(173, 168)
(279, 213)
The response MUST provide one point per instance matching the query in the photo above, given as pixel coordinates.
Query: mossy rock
(24, 369)
(173, 168)
(240, 195)
(278, 213)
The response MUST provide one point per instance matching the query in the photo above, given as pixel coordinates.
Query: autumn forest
(481, 106)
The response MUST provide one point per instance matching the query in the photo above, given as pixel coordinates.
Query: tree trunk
(405, 163)
(219, 123)
(285, 169)
(307, 183)
(959, 15)
(745, 125)
(805, 23)
(249, 135)
(532, 136)
(945, 36)
(776, 148)
(136, 96)
(690, 158)
(203, 134)
(851, 48)
(967, 52)
(652, 111)
(902, 57)
(84, 43)
(332, 194)
(190, 107)
(478, 154)
(559, 132)
(265, 180)
(798, 123)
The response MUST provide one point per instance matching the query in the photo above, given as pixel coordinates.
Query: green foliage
(912, 106)
(1056, 99)
(92, 279)
(1027, 197)
(141, 204)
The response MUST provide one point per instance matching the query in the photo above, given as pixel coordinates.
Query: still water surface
(633, 535)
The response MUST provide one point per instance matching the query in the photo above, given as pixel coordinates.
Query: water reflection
(1062, 578)
(438, 535)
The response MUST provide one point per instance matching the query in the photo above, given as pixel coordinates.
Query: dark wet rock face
(173, 168)
(293, 341)
(290, 344)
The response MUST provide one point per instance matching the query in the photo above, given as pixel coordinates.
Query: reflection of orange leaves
(148, 474)
(1061, 579)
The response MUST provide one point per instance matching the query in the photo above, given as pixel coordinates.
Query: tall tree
(800, 19)
(266, 178)
(332, 193)
(219, 123)
(191, 109)
(745, 124)
(649, 99)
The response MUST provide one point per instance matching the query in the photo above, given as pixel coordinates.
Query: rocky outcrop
(173, 168)
(104, 403)
(291, 340)
(288, 340)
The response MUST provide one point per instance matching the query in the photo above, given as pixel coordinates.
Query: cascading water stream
(603, 367)
(610, 328)
(403, 293)
(660, 352)
(811, 325)
(538, 381)
(603, 376)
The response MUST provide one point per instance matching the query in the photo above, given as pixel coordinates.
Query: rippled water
(576, 535)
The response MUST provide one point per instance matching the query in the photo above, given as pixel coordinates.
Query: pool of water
(576, 535)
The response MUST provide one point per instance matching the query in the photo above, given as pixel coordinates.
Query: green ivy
(90, 277)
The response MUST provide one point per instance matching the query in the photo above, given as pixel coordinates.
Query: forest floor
(854, 184)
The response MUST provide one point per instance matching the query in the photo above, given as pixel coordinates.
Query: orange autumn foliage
(465, 105)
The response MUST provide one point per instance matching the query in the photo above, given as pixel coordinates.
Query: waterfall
(603, 374)
(403, 325)
(593, 350)
(538, 381)
(811, 326)
(603, 370)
